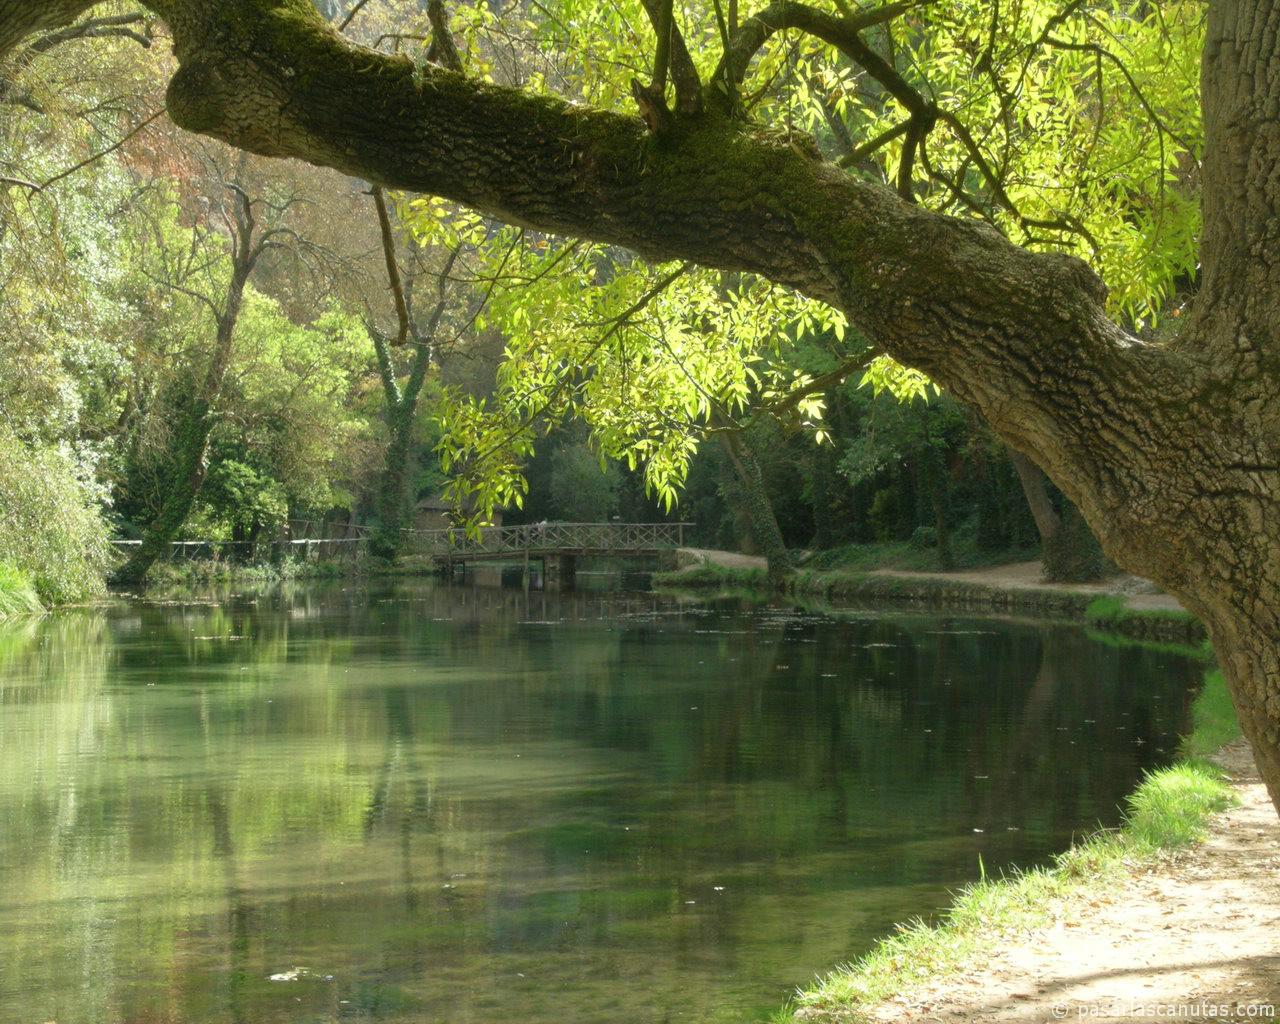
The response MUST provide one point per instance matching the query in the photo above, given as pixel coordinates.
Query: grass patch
(1213, 719)
(1112, 609)
(17, 592)
(708, 576)
(907, 556)
(1168, 811)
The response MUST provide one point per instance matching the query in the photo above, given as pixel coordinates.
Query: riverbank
(1178, 909)
(1012, 588)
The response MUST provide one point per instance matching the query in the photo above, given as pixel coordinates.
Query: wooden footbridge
(557, 546)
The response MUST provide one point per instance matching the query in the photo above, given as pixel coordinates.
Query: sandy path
(1196, 938)
(726, 559)
(1026, 576)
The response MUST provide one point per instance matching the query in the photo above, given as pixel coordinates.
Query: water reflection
(478, 805)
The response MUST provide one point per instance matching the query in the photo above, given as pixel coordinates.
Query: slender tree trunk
(402, 403)
(1068, 549)
(764, 523)
(938, 500)
(1035, 488)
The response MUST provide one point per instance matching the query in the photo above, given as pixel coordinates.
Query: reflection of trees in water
(351, 729)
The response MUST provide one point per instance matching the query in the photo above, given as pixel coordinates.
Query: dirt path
(1026, 576)
(1196, 938)
(725, 559)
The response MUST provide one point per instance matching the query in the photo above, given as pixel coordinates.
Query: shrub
(51, 528)
(17, 593)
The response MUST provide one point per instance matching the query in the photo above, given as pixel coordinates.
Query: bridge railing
(602, 538)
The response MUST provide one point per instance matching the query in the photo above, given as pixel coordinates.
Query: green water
(480, 806)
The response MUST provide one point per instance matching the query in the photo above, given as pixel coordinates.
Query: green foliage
(887, 376)
(1213, 718)
(712, 577)
(51, 528)
(17, 593)
(1168, 811)
(647, 357)
(582, 489)
(244, 499)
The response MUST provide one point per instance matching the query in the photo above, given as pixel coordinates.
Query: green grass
(17, 592)
(1169, 810)
(711, 576)
(908, 557)
(1213, 719)
(1112, 609)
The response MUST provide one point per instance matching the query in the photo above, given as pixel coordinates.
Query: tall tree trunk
(764, 522)
(938, 502)
(393, 490)
(1069, 552)
(1035, 488)
(402, 403)
(191, 444)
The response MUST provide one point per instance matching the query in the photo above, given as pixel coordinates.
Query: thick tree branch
(841, 33)
(393, 266)
(115, 25)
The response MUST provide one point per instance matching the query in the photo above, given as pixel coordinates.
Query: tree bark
(22, 18)
(1172, 453)
(393, 490)
(764, 523)
(1035, 490)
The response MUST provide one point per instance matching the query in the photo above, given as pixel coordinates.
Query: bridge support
(560, 573)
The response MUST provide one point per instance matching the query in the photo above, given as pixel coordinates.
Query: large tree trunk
(1172, 453)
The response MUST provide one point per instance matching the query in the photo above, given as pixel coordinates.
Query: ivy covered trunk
(393, 490)
(182, 485)
(191, 442)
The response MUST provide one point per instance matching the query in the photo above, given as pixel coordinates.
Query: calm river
(477, 806)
